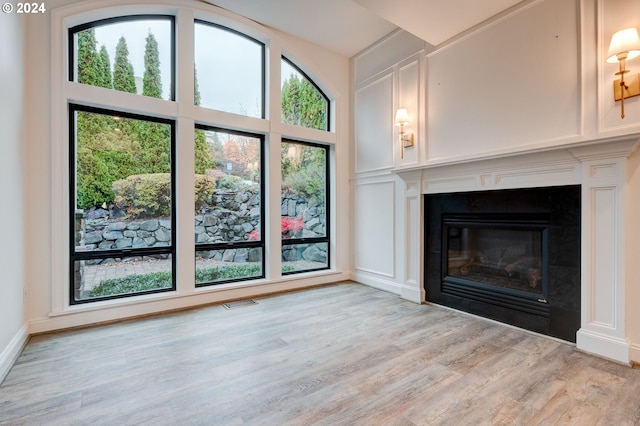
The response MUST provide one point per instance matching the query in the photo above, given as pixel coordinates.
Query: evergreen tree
(302, 104)
(154, 137)
(88, 58)
(196, 89)
(123, 78)
(203, 159)
(155, 147)
(106, 151)
(105, 69)
(151, 82)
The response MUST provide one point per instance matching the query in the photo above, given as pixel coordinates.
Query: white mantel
(603, 170)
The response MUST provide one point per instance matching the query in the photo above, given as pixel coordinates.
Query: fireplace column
(410, 270)
(603, 317)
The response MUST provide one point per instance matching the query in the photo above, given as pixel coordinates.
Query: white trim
(615, 349)
(634, 353)
(139, 306)
(378, 282)
(10, 353)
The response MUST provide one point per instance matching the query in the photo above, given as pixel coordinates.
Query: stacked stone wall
(232, 216)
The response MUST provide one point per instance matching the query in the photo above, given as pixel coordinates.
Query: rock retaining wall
(233, 216)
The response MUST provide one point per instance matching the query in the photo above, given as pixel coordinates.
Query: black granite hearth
(510, 255)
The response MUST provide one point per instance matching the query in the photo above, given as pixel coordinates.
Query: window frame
(227, 245)
(140, 17)
(327, 206)
(75, 255)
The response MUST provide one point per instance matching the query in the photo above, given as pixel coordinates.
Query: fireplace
(509, 255)
(591, 248)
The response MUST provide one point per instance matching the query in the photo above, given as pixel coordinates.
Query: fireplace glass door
(507, 253)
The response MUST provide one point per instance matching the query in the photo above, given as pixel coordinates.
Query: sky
(228, 64)
(135, 33)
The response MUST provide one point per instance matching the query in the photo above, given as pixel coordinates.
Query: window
(229, 210)
(130, 175)
(229, 70)
(303, 103)
(122, 195)
(132, 54)
(304, 207)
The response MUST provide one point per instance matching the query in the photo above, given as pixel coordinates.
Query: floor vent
(239, 304)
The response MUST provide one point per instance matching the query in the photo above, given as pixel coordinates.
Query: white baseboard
(404, 291)
(613, 348)
(12, 351)
(377, 282)
(411, 294)
(634, 353)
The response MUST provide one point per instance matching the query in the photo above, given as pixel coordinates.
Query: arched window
(303, 103)
(134, 54)
(229, 70)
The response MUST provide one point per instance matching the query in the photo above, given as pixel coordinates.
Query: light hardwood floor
(335, 355)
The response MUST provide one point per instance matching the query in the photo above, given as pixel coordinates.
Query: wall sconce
(406, 139)
(625, 45)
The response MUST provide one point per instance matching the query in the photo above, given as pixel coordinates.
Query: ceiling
(348, 26)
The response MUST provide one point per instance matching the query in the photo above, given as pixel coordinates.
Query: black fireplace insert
(512, 256)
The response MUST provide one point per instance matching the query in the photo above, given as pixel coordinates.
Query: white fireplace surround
(603, 170)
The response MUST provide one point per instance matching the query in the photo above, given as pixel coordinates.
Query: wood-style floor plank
(342, 354)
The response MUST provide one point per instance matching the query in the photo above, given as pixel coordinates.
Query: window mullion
(185, 61)
(274, 183)
(184, 205)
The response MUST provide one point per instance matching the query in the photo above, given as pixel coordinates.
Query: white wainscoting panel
(374, 127)
(603, 227)
(375, 228)
(512, 83)
(385, 54)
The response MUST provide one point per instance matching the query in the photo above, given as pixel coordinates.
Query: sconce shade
(626, 40)
(402, 117)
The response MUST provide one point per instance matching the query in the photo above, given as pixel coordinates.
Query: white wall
(46, 192)
(12, 251)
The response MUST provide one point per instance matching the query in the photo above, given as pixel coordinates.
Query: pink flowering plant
(289, 227)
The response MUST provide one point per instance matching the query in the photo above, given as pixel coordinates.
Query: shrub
(290, 226)
(233, 182)
(204, 189)
(144, 196)
(149, 195)
(308, 182)
(229, 182)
